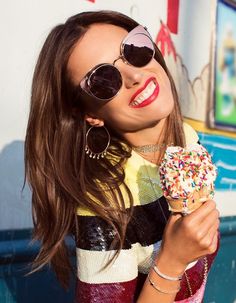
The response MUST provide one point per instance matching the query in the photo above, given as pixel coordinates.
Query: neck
(151, 139)
(147, 136)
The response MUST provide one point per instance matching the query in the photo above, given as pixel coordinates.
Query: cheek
(163, 81)
(165, 92)
(109, 113)
(118, 117)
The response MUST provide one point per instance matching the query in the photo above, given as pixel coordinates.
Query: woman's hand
(188, 238)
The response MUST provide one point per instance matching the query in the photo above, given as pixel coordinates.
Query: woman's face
(149, 84)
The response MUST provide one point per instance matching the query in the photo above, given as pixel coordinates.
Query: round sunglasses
(104, 81)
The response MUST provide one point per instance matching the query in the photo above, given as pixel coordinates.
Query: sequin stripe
(105, 293)
(145, 227)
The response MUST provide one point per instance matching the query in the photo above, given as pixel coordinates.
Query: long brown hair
(60, 174)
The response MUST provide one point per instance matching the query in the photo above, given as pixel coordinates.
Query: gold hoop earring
(90, 150)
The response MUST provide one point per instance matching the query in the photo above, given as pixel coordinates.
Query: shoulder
(191, 135)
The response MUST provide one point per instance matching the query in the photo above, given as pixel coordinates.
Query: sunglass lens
(105, 82)
(138, 50)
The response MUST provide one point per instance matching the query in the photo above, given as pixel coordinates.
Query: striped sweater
(122, 281)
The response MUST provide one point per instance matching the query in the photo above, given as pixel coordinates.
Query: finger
(174, 217)
(209, 241)
(202, 212)
(215, 239)
(212, 248)
(212, 218)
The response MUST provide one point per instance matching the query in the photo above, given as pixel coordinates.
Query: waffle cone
(188, 205)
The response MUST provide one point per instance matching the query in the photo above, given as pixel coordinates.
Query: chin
(162, 115)
(164, 112)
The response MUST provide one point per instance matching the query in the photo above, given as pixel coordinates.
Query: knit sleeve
(97, 281)
(191, 135)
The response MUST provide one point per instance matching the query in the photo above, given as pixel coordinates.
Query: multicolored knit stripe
(123, 279)
(120, 279)
(143, 240)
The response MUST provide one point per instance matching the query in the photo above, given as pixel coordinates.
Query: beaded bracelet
(167, 292)
(157, 271)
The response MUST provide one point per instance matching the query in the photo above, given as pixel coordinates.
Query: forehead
(100, 44)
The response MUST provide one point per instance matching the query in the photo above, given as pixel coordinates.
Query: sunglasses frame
(84, 83)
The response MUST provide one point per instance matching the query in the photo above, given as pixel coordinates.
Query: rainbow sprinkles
(187, 177)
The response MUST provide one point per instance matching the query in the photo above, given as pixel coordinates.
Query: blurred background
(198, 41)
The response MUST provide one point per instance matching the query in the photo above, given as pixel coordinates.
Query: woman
(103, 110)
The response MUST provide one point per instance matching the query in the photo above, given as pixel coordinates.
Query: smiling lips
(145, 95)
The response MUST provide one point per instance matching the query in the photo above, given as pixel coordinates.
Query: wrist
(169, 265)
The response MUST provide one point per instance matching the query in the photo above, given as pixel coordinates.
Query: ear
(93, 121)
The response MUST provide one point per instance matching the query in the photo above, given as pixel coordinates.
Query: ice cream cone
(187, 177)
(193, 202)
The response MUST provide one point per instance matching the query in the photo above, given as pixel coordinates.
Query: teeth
(144, 94)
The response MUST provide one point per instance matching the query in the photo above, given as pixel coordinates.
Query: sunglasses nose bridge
(121, 57)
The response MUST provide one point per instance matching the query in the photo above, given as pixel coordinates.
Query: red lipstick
(150, 99)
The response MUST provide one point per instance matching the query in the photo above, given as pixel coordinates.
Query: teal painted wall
(221, 286)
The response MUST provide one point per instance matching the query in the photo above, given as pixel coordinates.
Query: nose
(131, 75)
